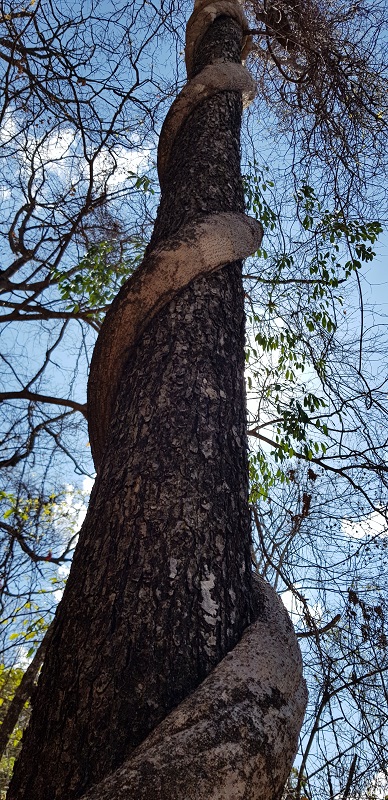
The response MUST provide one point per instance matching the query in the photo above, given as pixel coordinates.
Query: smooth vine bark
(160, 587)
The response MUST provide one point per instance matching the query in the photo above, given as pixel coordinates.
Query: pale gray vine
(235, 737)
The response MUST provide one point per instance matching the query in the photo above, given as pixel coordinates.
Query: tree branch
(25, 394)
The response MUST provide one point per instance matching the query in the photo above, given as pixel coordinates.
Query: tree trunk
(160, 587)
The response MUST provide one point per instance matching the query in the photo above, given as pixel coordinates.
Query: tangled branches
(323, 69)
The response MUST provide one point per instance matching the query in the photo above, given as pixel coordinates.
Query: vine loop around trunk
(198, 248)
(235, 737)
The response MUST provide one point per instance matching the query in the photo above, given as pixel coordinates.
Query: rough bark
(160, 587)
(198, 248)
(235, 737)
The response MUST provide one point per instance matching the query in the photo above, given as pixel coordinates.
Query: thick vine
(236, 735)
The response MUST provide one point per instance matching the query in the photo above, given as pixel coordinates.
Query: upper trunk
(160, 586)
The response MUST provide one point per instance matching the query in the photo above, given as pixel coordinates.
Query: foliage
(322, 70)
(296, 337)
(96, 280)
(318, 477)
(330, 571)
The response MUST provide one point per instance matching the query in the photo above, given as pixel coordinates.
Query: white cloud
(54, 149)
(375, 524)
(63, 572)
(75, 503)
(116, 166)
(377, 789)
(87, 484)
(74, 507)
(292, 604)
(110, 168)
(8, 129)
(5, 193)
(297, 610)
(61, 154)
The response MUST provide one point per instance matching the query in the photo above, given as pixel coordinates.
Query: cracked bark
(160, 588)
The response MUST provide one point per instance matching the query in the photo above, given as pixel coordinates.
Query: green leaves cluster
(297, 296)
(93, 284)
(32, 630)
(39, 532)
(25, 508)
(255, 186)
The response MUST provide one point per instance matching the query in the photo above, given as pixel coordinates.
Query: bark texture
(160, 587)
(198, 248)
(235, 737)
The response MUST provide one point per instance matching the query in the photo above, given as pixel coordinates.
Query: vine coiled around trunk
(200, 247)
(235, 736)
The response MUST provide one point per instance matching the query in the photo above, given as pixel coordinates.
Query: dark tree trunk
(160, 587)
